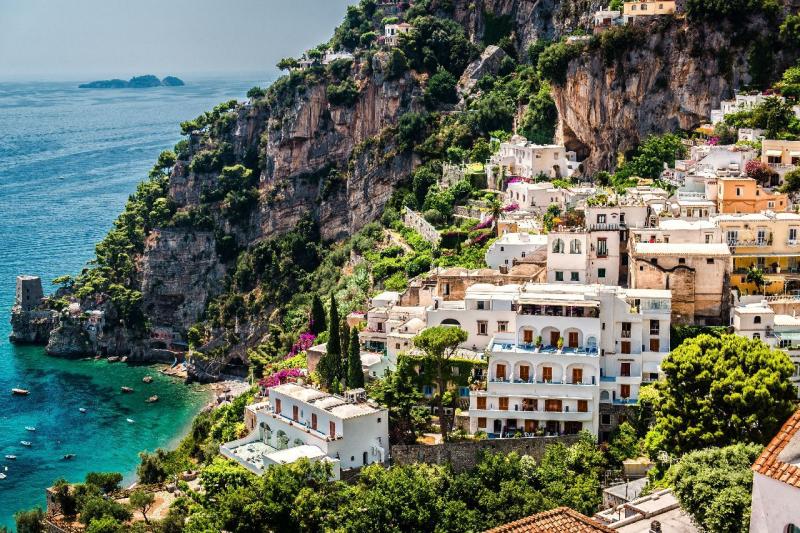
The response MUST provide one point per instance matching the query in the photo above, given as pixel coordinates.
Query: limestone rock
(488, 63)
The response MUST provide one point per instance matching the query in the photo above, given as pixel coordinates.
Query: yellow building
(780, 154)
(645, 8)
(745, 195)
(768, 241)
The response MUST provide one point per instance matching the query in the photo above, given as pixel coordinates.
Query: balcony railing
(534, 381)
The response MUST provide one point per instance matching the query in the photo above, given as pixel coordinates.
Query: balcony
(608, 227)
(625, 401)
(568, 415)
(534, 381)
(509, 347)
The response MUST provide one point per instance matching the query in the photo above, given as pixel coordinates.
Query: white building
(559, 355)
(679, 231)
(302, 422)
(518, 157)
(536, 196)
(741, 102)
(390, 328)
(511, 246)
(331, 56)
(392, 32)
(604, 18)
(776, 482)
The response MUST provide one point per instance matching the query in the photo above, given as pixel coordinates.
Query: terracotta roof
(774, 463)
(558, 520)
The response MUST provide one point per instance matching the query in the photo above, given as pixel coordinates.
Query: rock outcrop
(32, 327)
(488, 63)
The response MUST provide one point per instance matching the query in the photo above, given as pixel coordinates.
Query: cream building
(647, 8)
(518, 157)
(512, 247)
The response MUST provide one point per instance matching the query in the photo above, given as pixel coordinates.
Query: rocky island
(137, 82)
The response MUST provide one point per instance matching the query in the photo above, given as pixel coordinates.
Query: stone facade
(417, 222)
(465, 455)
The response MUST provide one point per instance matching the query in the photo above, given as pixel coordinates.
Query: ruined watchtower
(29, 292)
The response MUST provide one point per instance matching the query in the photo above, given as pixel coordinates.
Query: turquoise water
(69, 158)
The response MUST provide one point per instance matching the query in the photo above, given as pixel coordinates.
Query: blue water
(69, 158)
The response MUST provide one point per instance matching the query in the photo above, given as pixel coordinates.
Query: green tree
(790, 30)
(756, 275)
(96, 507)
(288, 63)
(441, 89)
(440, 344)
(105, 524)
(721, 390)
(64, 496)
(142, 501)
(554, 61)
(495, 210)
(650, 157)
(624, 444)
(399, 393)
(330, 363)
(773, 116)
(538, 124)
(714, 486)
(355, 373)
(31, 521)
(152, 467)
(317, 322)
(791, 182)
(105, 481)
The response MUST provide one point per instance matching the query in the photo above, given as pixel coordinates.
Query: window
(446, 289)
(601, 219)
(482, 423)
(502, 326)
(502, 249)
(708, 238)
(655, 345)
(547, 374)
(601, 272)
(577, 376)
(761, 235)
(602, 247)
(605, 419)
(709, 260)
(738, 191)
(397, 346)
(454, 371)
(756, 319)
(277, 405)
(483, 327)
(625, 347)
(756, 335)
(626, 330)
(500, 371)
(559, 276)
(792, 234)
(575, 246)
(681, 260)
(295, 411)
(481, 402)
(332, 429)
(552, 406)
(574, 276)
(504, 404)
(625, 391)
(313, 421)
(583, 406)
(622, 218)
(625, 370)
(732, 237)
(558, 246)
(524, 372)
(482, 305)
(655, 327)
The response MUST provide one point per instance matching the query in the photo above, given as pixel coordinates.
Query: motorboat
(82, 409)
(25, 443)
(152, 399)
(20, 392)
(30, 428)
(113, 359)
(2, 476)
(11, 457)
(130, 420)
(68, 456)
(126, 389)
(147, 379)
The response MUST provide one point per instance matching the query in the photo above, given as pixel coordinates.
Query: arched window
(558, 246)
(756, 319)
(451, 322)
(604, 396)
(575, 246)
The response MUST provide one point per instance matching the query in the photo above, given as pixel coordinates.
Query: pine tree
(317, 322)
(332, 367)
(355, 374)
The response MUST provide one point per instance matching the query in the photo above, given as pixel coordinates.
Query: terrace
(530, 348)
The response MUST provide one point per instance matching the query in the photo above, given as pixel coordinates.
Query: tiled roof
(772, 463)
(558, 520)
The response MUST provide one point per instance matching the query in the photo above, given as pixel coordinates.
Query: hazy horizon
(50, 40)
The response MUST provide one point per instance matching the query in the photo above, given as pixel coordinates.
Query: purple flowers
(281, 376)
(516, 179)
(713, 141)
(485, 224)
(305, 342)
(511, 207)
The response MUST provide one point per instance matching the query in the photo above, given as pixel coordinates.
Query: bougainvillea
(511, 207)
(281, 376)
(485, 224)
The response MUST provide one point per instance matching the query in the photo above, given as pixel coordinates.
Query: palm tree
(495, 208)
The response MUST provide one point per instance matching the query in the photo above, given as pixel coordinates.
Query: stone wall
(464, 455)
(415, 221)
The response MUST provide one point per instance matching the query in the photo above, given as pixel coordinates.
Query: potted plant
(560, 343)
(538, 342)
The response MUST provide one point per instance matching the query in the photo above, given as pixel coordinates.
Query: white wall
(775, 505)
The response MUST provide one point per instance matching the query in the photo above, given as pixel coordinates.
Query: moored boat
(113, 359)
(2, 476)
(20, 392)
(25, 443)
(11, 457)
(152, 399)
(30, 428)
(126, 389)
(130, 420)
(68, 456)
(82, 409)
(147, 379)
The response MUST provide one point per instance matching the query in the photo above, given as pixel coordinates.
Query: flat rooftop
(682, 249)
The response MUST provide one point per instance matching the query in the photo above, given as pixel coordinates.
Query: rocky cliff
(664, 75)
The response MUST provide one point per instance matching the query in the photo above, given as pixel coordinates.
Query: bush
(538, 123)
(30, 521)
(397, 65)
(97, 507)
(441, 89)
(411, 129)
(343, 94)
(554, 61)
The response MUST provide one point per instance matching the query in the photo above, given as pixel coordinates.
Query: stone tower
(29, 292)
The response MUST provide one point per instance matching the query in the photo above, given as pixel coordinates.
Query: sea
(69, 159)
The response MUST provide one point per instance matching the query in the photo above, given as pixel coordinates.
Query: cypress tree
(345, 340)
(317, 322)
(333, 357)
(355, 374)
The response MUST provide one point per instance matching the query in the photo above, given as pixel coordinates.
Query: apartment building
(744, 195)
(511, 247)
(741, 102)
(561, 357)
(767, 241)
(782, 156)
(697, 274)
(299, 421)
(647, 8)
(678, 231)
(392, 32)
(518, 157)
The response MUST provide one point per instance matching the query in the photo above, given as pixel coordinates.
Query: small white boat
(20, 392)
(2, 476)
(25, 442)
(130, 420)
(11, 457)
(30, 428)
(82, 409)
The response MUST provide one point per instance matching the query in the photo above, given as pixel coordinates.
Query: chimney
(655, 526)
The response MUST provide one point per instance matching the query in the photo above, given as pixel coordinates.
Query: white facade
(680, 231)
(300, 421)
(518, 157)
(557, 351)
(535, 196)
(742, 102)
(392, 32)
(511, 246)
(567, 256)
(390, 328)
(774, 505)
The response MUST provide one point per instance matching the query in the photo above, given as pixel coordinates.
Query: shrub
(411, 129)
(554, 61)
(397, 65)
(441, 89)
(343, 94)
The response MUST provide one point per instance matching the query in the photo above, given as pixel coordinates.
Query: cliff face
(671, 80)
(32, 327)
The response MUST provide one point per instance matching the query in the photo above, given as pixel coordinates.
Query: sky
(75, 39)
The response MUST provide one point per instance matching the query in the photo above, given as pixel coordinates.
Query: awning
(794, 154)
(558, 303)
(774, 153)
(651, 368)
(788, 335)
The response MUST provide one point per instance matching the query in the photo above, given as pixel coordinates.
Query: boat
(82, 409)
(2, 476)
(68, 456)
(113, 359)
(25, 442)
(126, 389)
(30, 428)
(147, 379)
(20, 392)
(130, 420)
(152, 399)
(11, 457)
